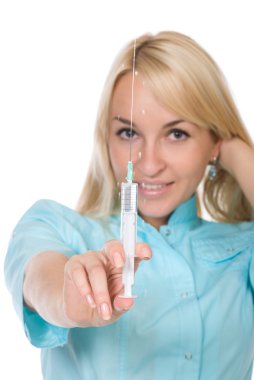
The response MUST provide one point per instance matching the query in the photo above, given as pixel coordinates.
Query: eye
(126, 133)
(178, 134)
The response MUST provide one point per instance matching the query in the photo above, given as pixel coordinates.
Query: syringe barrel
(129, 192)
(129, 197)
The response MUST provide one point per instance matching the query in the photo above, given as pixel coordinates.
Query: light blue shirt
(194, 315)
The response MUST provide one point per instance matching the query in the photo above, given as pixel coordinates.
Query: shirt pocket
(233, 251)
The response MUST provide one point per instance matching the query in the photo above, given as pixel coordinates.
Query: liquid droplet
(144, 200)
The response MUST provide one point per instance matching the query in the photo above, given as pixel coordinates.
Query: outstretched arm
(81, 291)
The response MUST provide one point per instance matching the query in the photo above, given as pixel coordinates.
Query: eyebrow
(124, 121)
(128, 122)
(173, 123)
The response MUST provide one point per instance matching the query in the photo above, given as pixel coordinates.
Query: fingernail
(118, 260)
(105, 311)
(118, 309)
(90, 301)
(146, 253)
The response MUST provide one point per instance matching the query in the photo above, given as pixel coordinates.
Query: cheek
(191, 163)
(118, 161)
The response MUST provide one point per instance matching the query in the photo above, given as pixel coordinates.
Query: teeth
(151, 186)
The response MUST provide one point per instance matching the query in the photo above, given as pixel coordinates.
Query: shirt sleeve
(251, 275)
(43, 227)
(251, 251)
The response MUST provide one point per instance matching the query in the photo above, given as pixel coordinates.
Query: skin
(84, 290)
(81, 291)
(174, 152)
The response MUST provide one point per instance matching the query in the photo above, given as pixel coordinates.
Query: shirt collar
(186, 212)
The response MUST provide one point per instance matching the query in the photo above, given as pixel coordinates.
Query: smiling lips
(154, 189)
(152, 186)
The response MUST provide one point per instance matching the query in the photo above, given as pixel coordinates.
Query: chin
(154, 214)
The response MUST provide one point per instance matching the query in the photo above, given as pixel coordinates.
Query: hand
(234, 155)
(237, 158)
(229, 150)
(93, 282)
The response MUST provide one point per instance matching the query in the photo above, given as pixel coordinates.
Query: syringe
(129, 196)
(129, 200)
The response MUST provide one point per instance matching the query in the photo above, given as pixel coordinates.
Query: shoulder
(54, 213)
(47, 217)
(213, 230)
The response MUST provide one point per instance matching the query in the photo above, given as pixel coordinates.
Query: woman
(193, 318)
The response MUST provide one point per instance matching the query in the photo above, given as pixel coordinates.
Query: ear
(216, 150)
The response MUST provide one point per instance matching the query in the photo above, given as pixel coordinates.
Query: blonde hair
(187, 81)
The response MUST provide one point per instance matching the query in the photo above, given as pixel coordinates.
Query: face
(170, 154)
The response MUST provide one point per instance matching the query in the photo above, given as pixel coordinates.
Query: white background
(54, 57)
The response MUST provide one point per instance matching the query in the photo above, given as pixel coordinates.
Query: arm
(81, 291)
(43, 285)
(238, 159)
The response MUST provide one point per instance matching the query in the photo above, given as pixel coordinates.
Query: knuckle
(71, 266)
(96, 270)
(113, 245)
(102, 256)
(101, 296)
(67, 270)
(78, 276)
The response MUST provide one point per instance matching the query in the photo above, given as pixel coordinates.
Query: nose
(150, 162)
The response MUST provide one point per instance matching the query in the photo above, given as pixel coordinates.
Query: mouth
(154, 190)
(153, 186)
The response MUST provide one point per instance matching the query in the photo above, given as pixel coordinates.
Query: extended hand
(93, 282)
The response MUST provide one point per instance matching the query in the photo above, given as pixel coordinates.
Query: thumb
(122, 305)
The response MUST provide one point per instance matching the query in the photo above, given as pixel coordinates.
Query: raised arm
(238, 159)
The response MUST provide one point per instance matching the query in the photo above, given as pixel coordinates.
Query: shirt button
(188, 355)
(184, 294)
(167, 232)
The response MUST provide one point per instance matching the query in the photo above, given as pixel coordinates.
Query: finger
(143, 251)
(82, 283)
(122, 305)
(77, 274)
(98, 281)
(114, 251)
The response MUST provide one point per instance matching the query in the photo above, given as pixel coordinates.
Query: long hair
(185, 80)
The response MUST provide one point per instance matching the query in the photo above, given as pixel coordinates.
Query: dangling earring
(212, 173)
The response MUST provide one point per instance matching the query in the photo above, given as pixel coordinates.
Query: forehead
(128, 83)
(145, 104)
